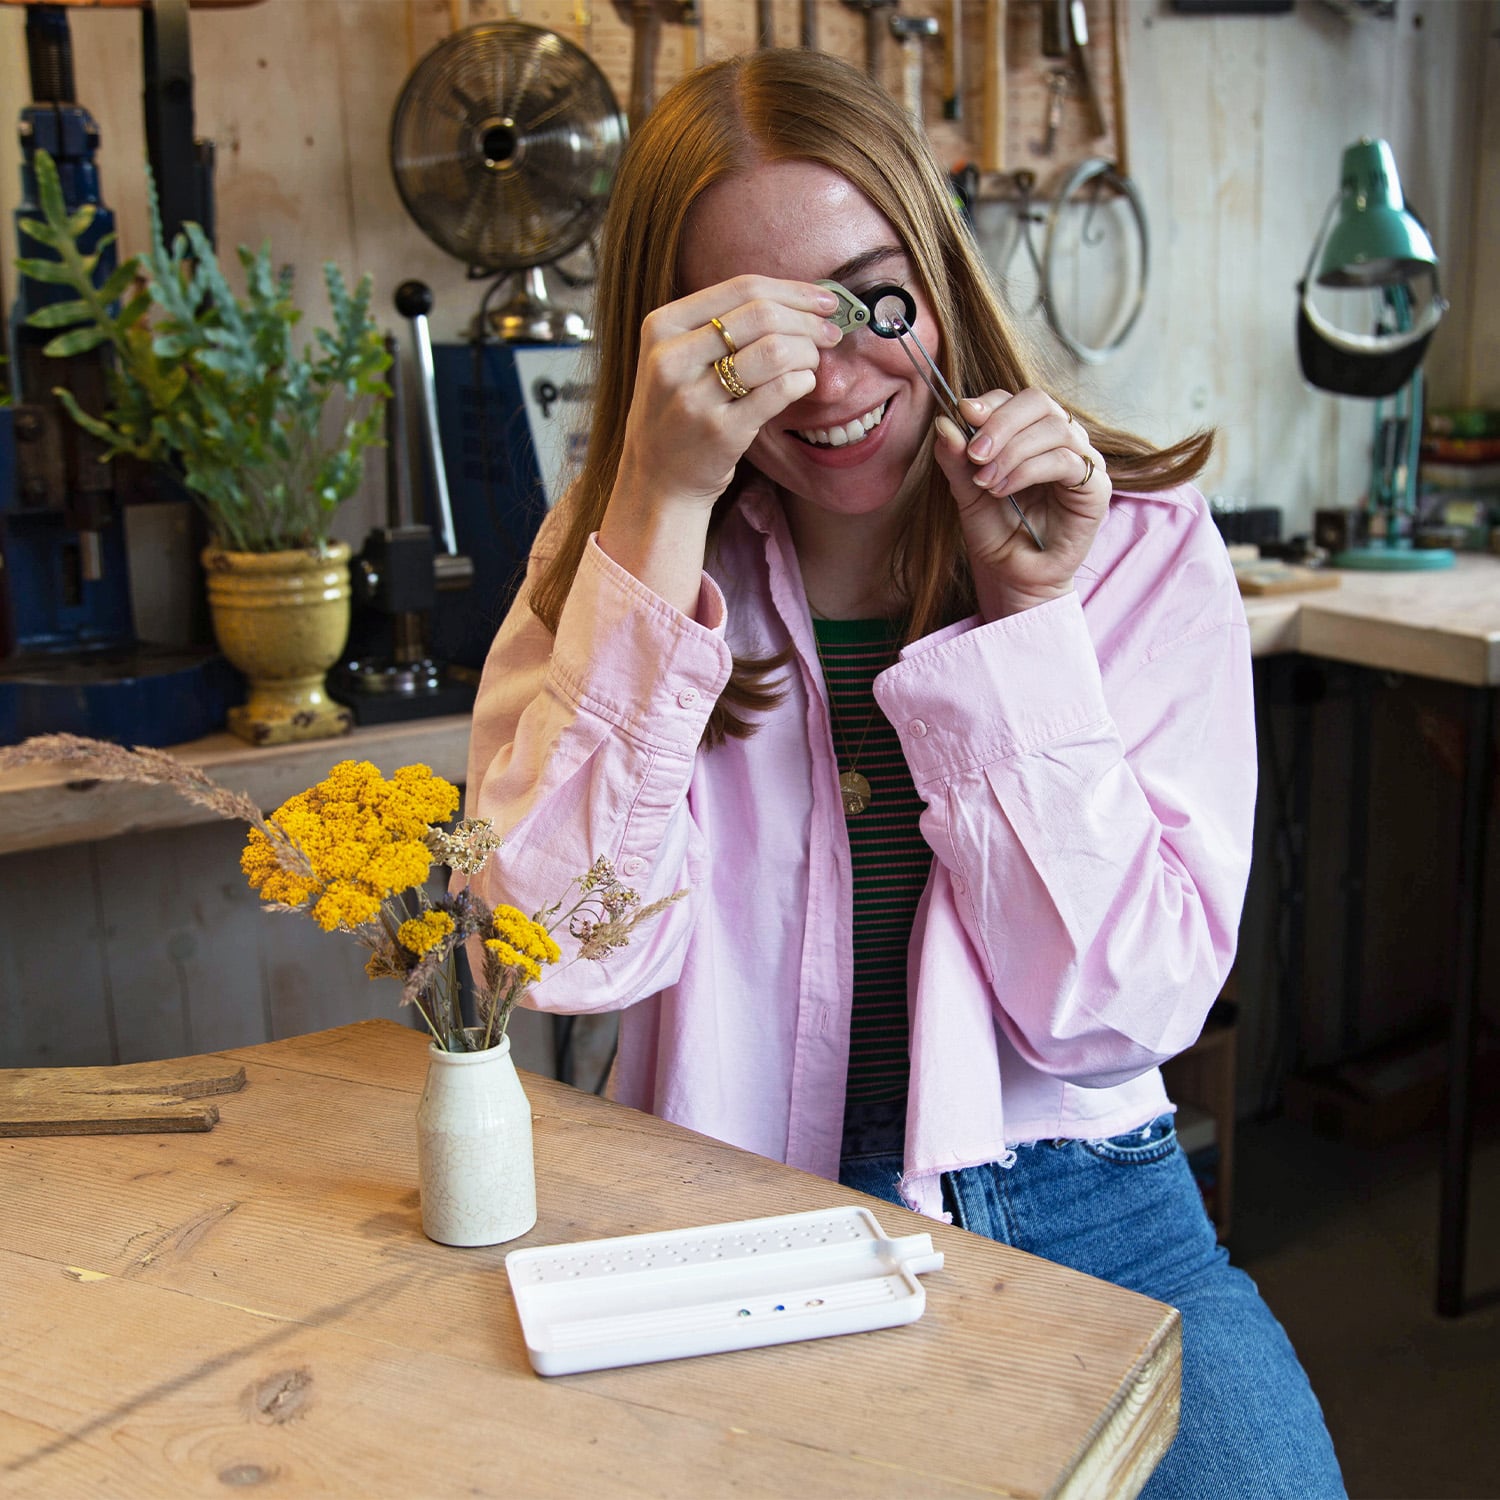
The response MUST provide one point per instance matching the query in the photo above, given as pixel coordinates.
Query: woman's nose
(835, 367)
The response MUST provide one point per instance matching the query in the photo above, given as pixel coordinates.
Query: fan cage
(504, 146)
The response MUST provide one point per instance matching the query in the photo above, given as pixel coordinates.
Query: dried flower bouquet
(355, 853)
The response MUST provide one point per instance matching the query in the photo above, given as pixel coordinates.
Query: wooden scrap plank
(132, 1098)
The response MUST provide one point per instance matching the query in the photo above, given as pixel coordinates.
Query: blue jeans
(1128, 1211)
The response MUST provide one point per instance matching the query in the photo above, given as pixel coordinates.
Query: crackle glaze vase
(474, 1158)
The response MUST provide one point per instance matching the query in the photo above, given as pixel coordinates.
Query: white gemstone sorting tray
(599, 1304)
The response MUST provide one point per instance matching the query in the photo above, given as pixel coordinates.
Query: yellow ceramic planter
(282, 618)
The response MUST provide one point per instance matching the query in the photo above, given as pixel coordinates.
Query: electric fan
(504, 145)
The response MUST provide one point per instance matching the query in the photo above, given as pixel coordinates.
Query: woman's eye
(891, 309)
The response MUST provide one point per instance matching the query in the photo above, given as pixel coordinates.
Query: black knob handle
(413, 299)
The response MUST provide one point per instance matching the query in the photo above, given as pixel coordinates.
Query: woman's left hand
(1029, 446)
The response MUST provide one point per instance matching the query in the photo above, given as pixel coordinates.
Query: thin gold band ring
(729, 343)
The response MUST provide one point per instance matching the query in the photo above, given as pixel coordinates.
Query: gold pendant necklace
(854, 788)
(856, 792)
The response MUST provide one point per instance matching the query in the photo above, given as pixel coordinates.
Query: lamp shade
(1374, 241)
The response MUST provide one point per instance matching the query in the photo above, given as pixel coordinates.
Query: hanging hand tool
(953, 102)
(645, 17)
(1056, 34)
(874, 31)
(1059, 85)
(692, 18)
(992, 123)
(1078, 49)
(910, 32)
(809, 35)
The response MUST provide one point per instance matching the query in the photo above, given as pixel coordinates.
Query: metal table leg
(1459, 1126)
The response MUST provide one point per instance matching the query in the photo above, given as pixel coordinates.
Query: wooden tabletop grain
(256, 1309)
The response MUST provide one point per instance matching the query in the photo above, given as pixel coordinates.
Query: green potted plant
(268, 440)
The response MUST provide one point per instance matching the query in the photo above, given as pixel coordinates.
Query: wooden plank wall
(1234, 123)
(150, 945)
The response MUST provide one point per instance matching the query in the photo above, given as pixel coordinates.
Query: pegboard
(999, 87)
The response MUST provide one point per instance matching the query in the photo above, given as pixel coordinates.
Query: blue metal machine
(69, 656)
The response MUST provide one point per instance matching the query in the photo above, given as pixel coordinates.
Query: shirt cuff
(976, 693)
(627, 655)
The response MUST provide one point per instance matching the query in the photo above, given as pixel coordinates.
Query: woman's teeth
(851, 432)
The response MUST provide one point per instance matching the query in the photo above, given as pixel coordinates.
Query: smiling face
(849, 446)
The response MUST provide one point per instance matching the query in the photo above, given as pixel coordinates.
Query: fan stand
(531, 317)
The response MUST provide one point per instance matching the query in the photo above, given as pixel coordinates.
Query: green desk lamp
(1371, 240)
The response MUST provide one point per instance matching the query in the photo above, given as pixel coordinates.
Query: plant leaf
(79, 341)
(53, 272)
(61, 315)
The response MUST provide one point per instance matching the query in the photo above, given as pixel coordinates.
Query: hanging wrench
(1058, 85)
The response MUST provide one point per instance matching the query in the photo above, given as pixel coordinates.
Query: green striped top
(890, 857)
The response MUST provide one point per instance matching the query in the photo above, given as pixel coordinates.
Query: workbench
(256, 1307)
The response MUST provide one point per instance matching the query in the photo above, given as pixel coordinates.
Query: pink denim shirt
(1088, 769)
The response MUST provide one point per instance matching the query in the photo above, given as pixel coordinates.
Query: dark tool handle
(646, 18)
(809, 37)
(765, 23)
(953, 104)
(1078, 37)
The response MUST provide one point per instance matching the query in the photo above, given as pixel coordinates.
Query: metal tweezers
(859, 311)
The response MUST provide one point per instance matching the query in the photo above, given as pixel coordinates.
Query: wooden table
(257, 1306)
(1443, 625)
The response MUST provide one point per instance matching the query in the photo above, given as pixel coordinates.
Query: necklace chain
(853, 786)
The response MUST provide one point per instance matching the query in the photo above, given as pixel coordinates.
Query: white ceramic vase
(474, 1157)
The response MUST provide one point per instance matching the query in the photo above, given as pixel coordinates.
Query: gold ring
(729, 343)
(1088, 473)
(731, 382)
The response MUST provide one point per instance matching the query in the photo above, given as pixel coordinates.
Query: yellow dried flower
(425, 932)
(512, 958)
(526, 936)
(364, 838)
(344, 904)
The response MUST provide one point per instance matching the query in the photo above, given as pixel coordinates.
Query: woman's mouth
(846, 434)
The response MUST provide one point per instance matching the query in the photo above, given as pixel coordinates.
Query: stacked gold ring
(729, 343)
(731, 382)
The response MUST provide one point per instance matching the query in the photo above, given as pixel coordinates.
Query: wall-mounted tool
(765, 23)
(876, 24)
(646, 18)
(910, 33)
(953, 99)
(1059, 86)
(1078, 51)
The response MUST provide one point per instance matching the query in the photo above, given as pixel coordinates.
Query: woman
(947, 918)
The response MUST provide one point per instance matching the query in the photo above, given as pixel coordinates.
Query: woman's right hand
(686, 433)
